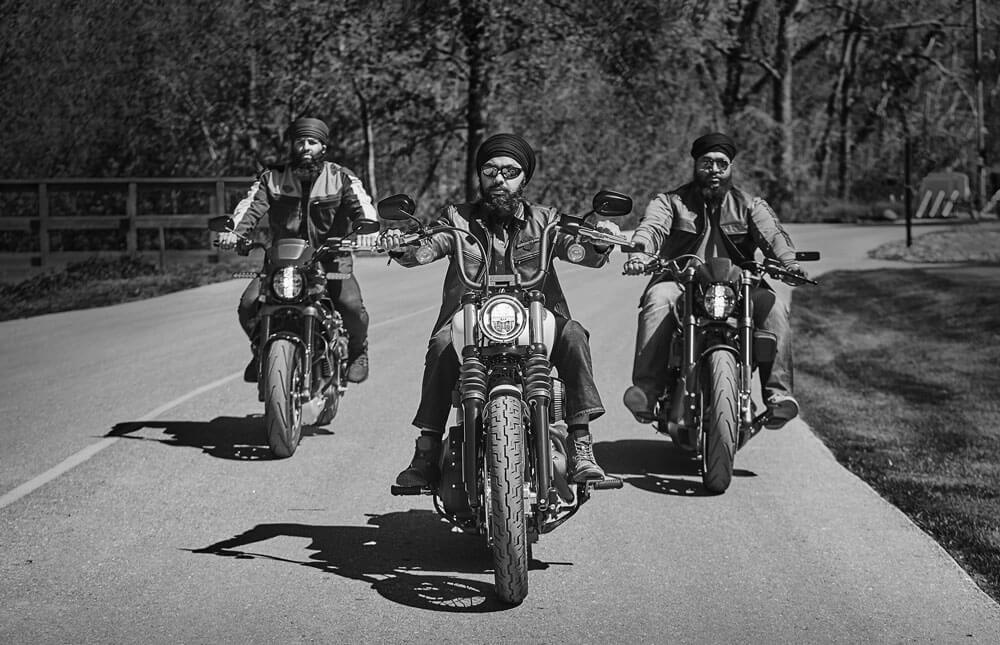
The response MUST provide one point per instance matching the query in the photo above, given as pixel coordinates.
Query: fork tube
(309, 330)
(746, 345)
(690, 349)
(538, 388)
(473, 389)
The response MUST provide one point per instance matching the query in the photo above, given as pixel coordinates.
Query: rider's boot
(357, 369)
(583, 464)
(640, 404)
(423, 469)
(783, 408)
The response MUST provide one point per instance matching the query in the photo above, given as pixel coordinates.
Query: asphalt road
(131, 447)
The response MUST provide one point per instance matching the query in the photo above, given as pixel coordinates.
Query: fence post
(44, 248)
(131, 211)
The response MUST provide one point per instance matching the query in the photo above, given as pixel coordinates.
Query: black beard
(501, 203)
(306, 168)
(713, 194)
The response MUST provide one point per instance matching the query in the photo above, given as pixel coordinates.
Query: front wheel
(505, 466)
(282, 406)
(720, 420)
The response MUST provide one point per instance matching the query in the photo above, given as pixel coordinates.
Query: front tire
(505, 465)
(720, 420)
(282, 407)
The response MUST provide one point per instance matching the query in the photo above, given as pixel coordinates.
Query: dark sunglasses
(507, 172)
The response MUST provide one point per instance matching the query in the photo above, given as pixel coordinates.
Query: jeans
(346, 296)
(570, 355)
(657, 325)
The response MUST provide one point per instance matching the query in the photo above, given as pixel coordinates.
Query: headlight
(718, 301)
(286, 283)
(502, 318)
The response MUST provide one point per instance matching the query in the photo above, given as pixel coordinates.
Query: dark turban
(307, 127)
(508, 145)
(713, 142)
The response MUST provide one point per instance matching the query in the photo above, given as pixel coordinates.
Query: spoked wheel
(720, 420)
(505, 465)
(282, 407)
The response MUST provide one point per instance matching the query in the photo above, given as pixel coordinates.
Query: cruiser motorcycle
(301, 339)
(708, 409)
(504, 461)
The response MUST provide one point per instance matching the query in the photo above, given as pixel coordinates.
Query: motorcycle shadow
(239, 438)
(397, 554)
(656, 466)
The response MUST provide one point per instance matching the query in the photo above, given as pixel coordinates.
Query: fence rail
(43, 223)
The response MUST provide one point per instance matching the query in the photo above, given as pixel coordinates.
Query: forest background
(820, 96)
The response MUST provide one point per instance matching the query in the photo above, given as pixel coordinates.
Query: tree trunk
(477, 59)
(368, 132)
(782, 103)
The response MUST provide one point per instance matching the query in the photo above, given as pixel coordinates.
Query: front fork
(746, 350)
(309, 315)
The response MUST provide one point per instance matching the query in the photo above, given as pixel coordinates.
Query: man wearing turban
(510, 229)
(311, 199)
(708, 217)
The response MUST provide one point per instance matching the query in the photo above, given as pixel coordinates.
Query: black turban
(308, 127)
(713, 142)
(508, 145)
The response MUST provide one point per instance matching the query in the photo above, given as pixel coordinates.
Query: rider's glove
(227, 241)
(798, 274)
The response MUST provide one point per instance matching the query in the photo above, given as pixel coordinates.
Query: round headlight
(718, 301)
(502, 318)
(286, 283)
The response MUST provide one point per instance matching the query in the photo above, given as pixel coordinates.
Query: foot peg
(608, 483)
(408, 490)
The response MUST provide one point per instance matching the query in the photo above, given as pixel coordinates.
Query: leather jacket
(522, 252)
(674, 224)
(336, 199)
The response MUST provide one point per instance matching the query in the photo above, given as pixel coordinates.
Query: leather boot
(423, 469)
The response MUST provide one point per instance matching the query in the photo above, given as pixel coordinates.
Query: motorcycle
(301, 339)
(708, 410)
(504, 462)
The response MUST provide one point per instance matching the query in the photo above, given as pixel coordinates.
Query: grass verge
(897, 370)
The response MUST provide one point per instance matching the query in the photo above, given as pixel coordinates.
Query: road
(132, 447)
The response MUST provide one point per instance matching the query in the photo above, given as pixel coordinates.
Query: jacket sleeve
(355, 199)
(769, 234)
(437, 246)
(654, 227)
(252, 207)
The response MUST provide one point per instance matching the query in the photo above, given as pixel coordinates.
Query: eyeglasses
(507, 172)
(708, 164)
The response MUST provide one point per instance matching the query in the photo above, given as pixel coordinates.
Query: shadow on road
(397, 553)
(240, 438)
(654, 465)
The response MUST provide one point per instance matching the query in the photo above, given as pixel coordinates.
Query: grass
(897, 372)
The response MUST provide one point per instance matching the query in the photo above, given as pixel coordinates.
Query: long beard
(713, 194)
(501, 203)
(306, 168)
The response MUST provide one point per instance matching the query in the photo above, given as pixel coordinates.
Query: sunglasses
(507, 172)
(708, 164)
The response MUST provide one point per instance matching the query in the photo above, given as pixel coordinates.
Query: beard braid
(502, 204)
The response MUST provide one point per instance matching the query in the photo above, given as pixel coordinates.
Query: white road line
(86, 453)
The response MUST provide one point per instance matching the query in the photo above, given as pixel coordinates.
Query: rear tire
(720, 420)
(282, 408)
(505, 464)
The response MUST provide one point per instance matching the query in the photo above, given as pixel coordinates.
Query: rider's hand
(390, 239)
(798, 274)
(635, 265)
(609, 227)
(227, 241)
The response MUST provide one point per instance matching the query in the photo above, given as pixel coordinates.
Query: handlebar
(770, 267)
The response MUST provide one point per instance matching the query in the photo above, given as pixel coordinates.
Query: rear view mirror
(365, 227)
(609, 203)
(807, 256)
(222, 224)
(397, 208)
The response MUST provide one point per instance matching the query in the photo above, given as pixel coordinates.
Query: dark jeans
(657, 324)
(570, 355)
(346, 296)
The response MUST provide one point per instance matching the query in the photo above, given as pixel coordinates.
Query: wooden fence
(44, 223)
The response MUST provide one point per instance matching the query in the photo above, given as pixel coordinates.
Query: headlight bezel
(502, 319)
(287, 284)
(717, 300)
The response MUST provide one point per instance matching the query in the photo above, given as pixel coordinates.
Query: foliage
(610, 92)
